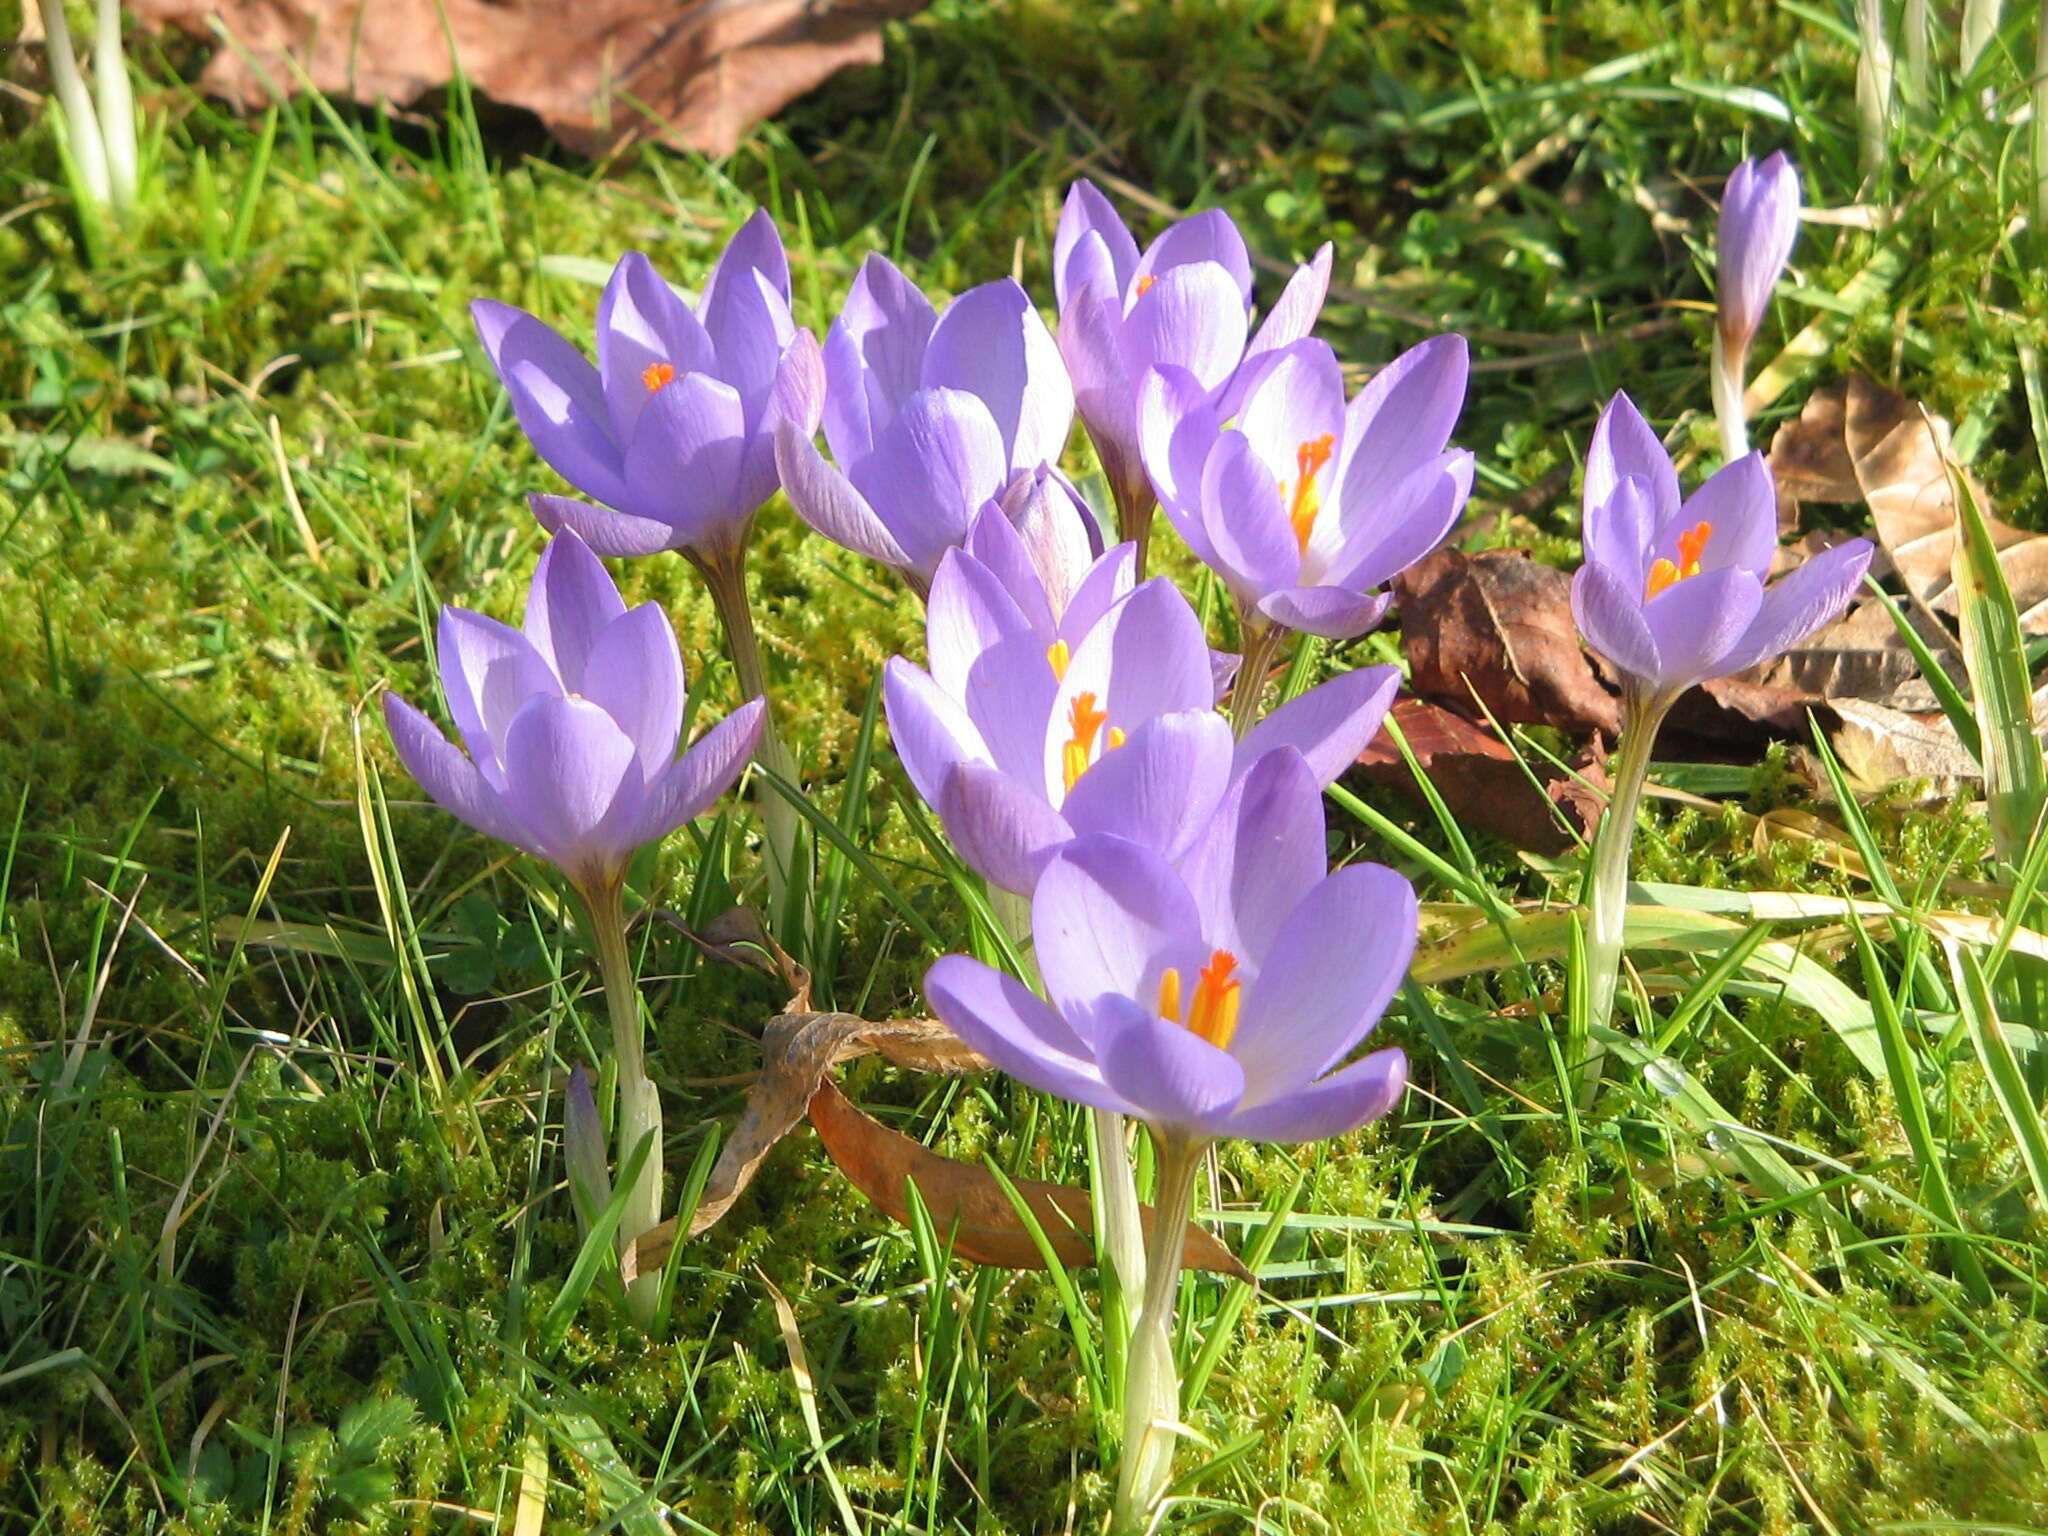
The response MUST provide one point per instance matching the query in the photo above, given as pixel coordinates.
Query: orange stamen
(1307, 501)
(1145, 285)
(1085, 720)
(1057, 655)
(1213, 1012)
(1692, 545)
(654, 375)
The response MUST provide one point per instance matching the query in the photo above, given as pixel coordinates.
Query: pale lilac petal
(683, 464)
(1330, 725)
(1177, 430)
(993, 540)
(969, 609)
(930, 730)
(1002, 830)
(1207, 236)
(940, 459)
(1699, 620)
(1109, 580)
(1091, 346)
(570, 777)
(1624, 445)
(745, 309)
(1609, 613)
(1258, 855)
(488, 670)
(1300, 304)
(992, 343)
(1337, 1105)
(826, 499)
(1060, 534)
(1740, 503)
(1403, 417)
(685, 788)
(557, 396)
(1161, 787)
(757, 247)
(998, 1016)
(608, 533)
(635, 674)
(1372, 543)
(1299, 399)
(1173, 1076)
(1107, 918)
(1088, 212)
(874, 357)
(571, 602)
(1147, 657)
(1336, 613)
(450, 779)
(1339, 956)
(1617, 531)
(1252, 544)
(1811, 596)
(643, 323)
(1192, 318)
(797, 398)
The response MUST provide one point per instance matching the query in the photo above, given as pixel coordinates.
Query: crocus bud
(1759, 222)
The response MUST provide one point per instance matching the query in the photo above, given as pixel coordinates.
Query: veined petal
(1161, 787)
(557, 396)
(570, 778)
(571, 601)
(929, 727)
(998, 1016)
(1370, 543)
(1336, 613)
(449, 778)
(1624, 445)
(488, 671)
(1618, 530)
(1193, 317)
(607, 532)
(1206, 236)
(757, 247)
(1403, 417)
(1171, 1074)
(635, 674)
(1698, 622)
(1088, 212)
(1060, 534)
(970, 608)
(1260, 853)
(1147, 657)
(991, 343)
(826, 499)
(1810, 597)
(874, 357)
(745, 309)
(1177, 431)
(1330, 725)
(1338, 1104)
(1295, 312)
(993, 540)
(642, 324)
(1108, 581)
(685, 788)
(1252, 545)
(1299, 398)
(1002, 829)
(683, 464)
(941, 458)
(1609, 612)
(1108, 917)
(1740, 503)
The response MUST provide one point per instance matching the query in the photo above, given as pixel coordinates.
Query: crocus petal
(685, 788)
(1617, 531)
(1295, 312)
(998, 1016)
(1107, 917)
(1339, 1104)
(940, 459)
(992, 343)
(449, 778)
(1759, 222)
(1193, 317)
(1335, 613)
(1160, 787)
(1810, 597)
(1403, 417)
(874, 356)
(608, 533)
(557, 396)
(567, 767)
(745, 309)
(987, 656)
(756, 247)
(1088, 212)
(1369, 545)
(1609, 613)
(1147, 657)
(1698, 621)
(1060, 534)
(1207, 236)
(683, 464)
(970, 608)
(1624, 445)
(643, 323)
(488, 670)
(1176, 432)
(1740, 503)
(1091, 346)
(1258, 855)
(635, 674)
(1336, 962)
(571, 601)
(1330, 725)
(993, 540)
(1252, 546)
(1002, 829)
(1109, 580)
(826, 499)
(1299, 398)
(1173, 1076)
(930, 729)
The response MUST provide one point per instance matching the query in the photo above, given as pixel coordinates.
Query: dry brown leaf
(601, 74)
(798, 1050)
(968, 1207)
(1499, 626)
(1473, 770)
(1878, 747)
(1860, 656)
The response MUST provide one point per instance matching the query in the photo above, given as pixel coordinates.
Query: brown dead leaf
(1860, 656)
(798, 1050)
(1499, 626)
(1879, 747)
(1474, 771)
(968, 1207)
(602, 74)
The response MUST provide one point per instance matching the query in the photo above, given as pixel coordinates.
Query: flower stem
(726, 576)
(639, 1106)
(1151, 1386)
(1726, 377)
(81, 121)
(1134, 509)
(1606, 889)
(1262, 645)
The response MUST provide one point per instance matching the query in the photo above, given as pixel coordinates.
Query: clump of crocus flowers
(1151, 833)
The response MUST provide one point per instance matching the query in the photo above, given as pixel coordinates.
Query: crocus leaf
(967, 1204)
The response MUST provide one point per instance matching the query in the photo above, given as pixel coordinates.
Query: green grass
(281, 1221)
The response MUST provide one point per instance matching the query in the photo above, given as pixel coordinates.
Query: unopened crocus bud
(1759, 222)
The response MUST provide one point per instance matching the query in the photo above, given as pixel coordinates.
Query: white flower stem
(639, 1105)
(1726, 376)
(1606, 889)
(117, 105)
(1151, 1415)
(81, 123)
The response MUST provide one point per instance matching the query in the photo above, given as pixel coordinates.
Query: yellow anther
(654, 375)
(1169, 996)
(1057, 656)
(1692, 545)
(1084, 720)
(1145, 284)
(1307, 501)
(1213, 1014)
(1115, 739)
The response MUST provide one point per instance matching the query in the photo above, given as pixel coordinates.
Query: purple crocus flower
(1674, 594)
(673, 429)
(1184, 302)
(1034, 727)
(1759, 222)
(571, 726)
(1301, 503)
(927, 417)
(1212, 999)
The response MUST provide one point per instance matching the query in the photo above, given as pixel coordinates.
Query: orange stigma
(1692, 544)
(1085, 720)
(654, 375)
(1145, 285)
(1307, 501)
(1213, 1013)
(1057, 656)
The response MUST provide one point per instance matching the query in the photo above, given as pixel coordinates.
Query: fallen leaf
(1879, 747)
(1472, 769)
(1860, 656)
(1498, 626)
(601, 74)
(798, 1049)
(968, 1207)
